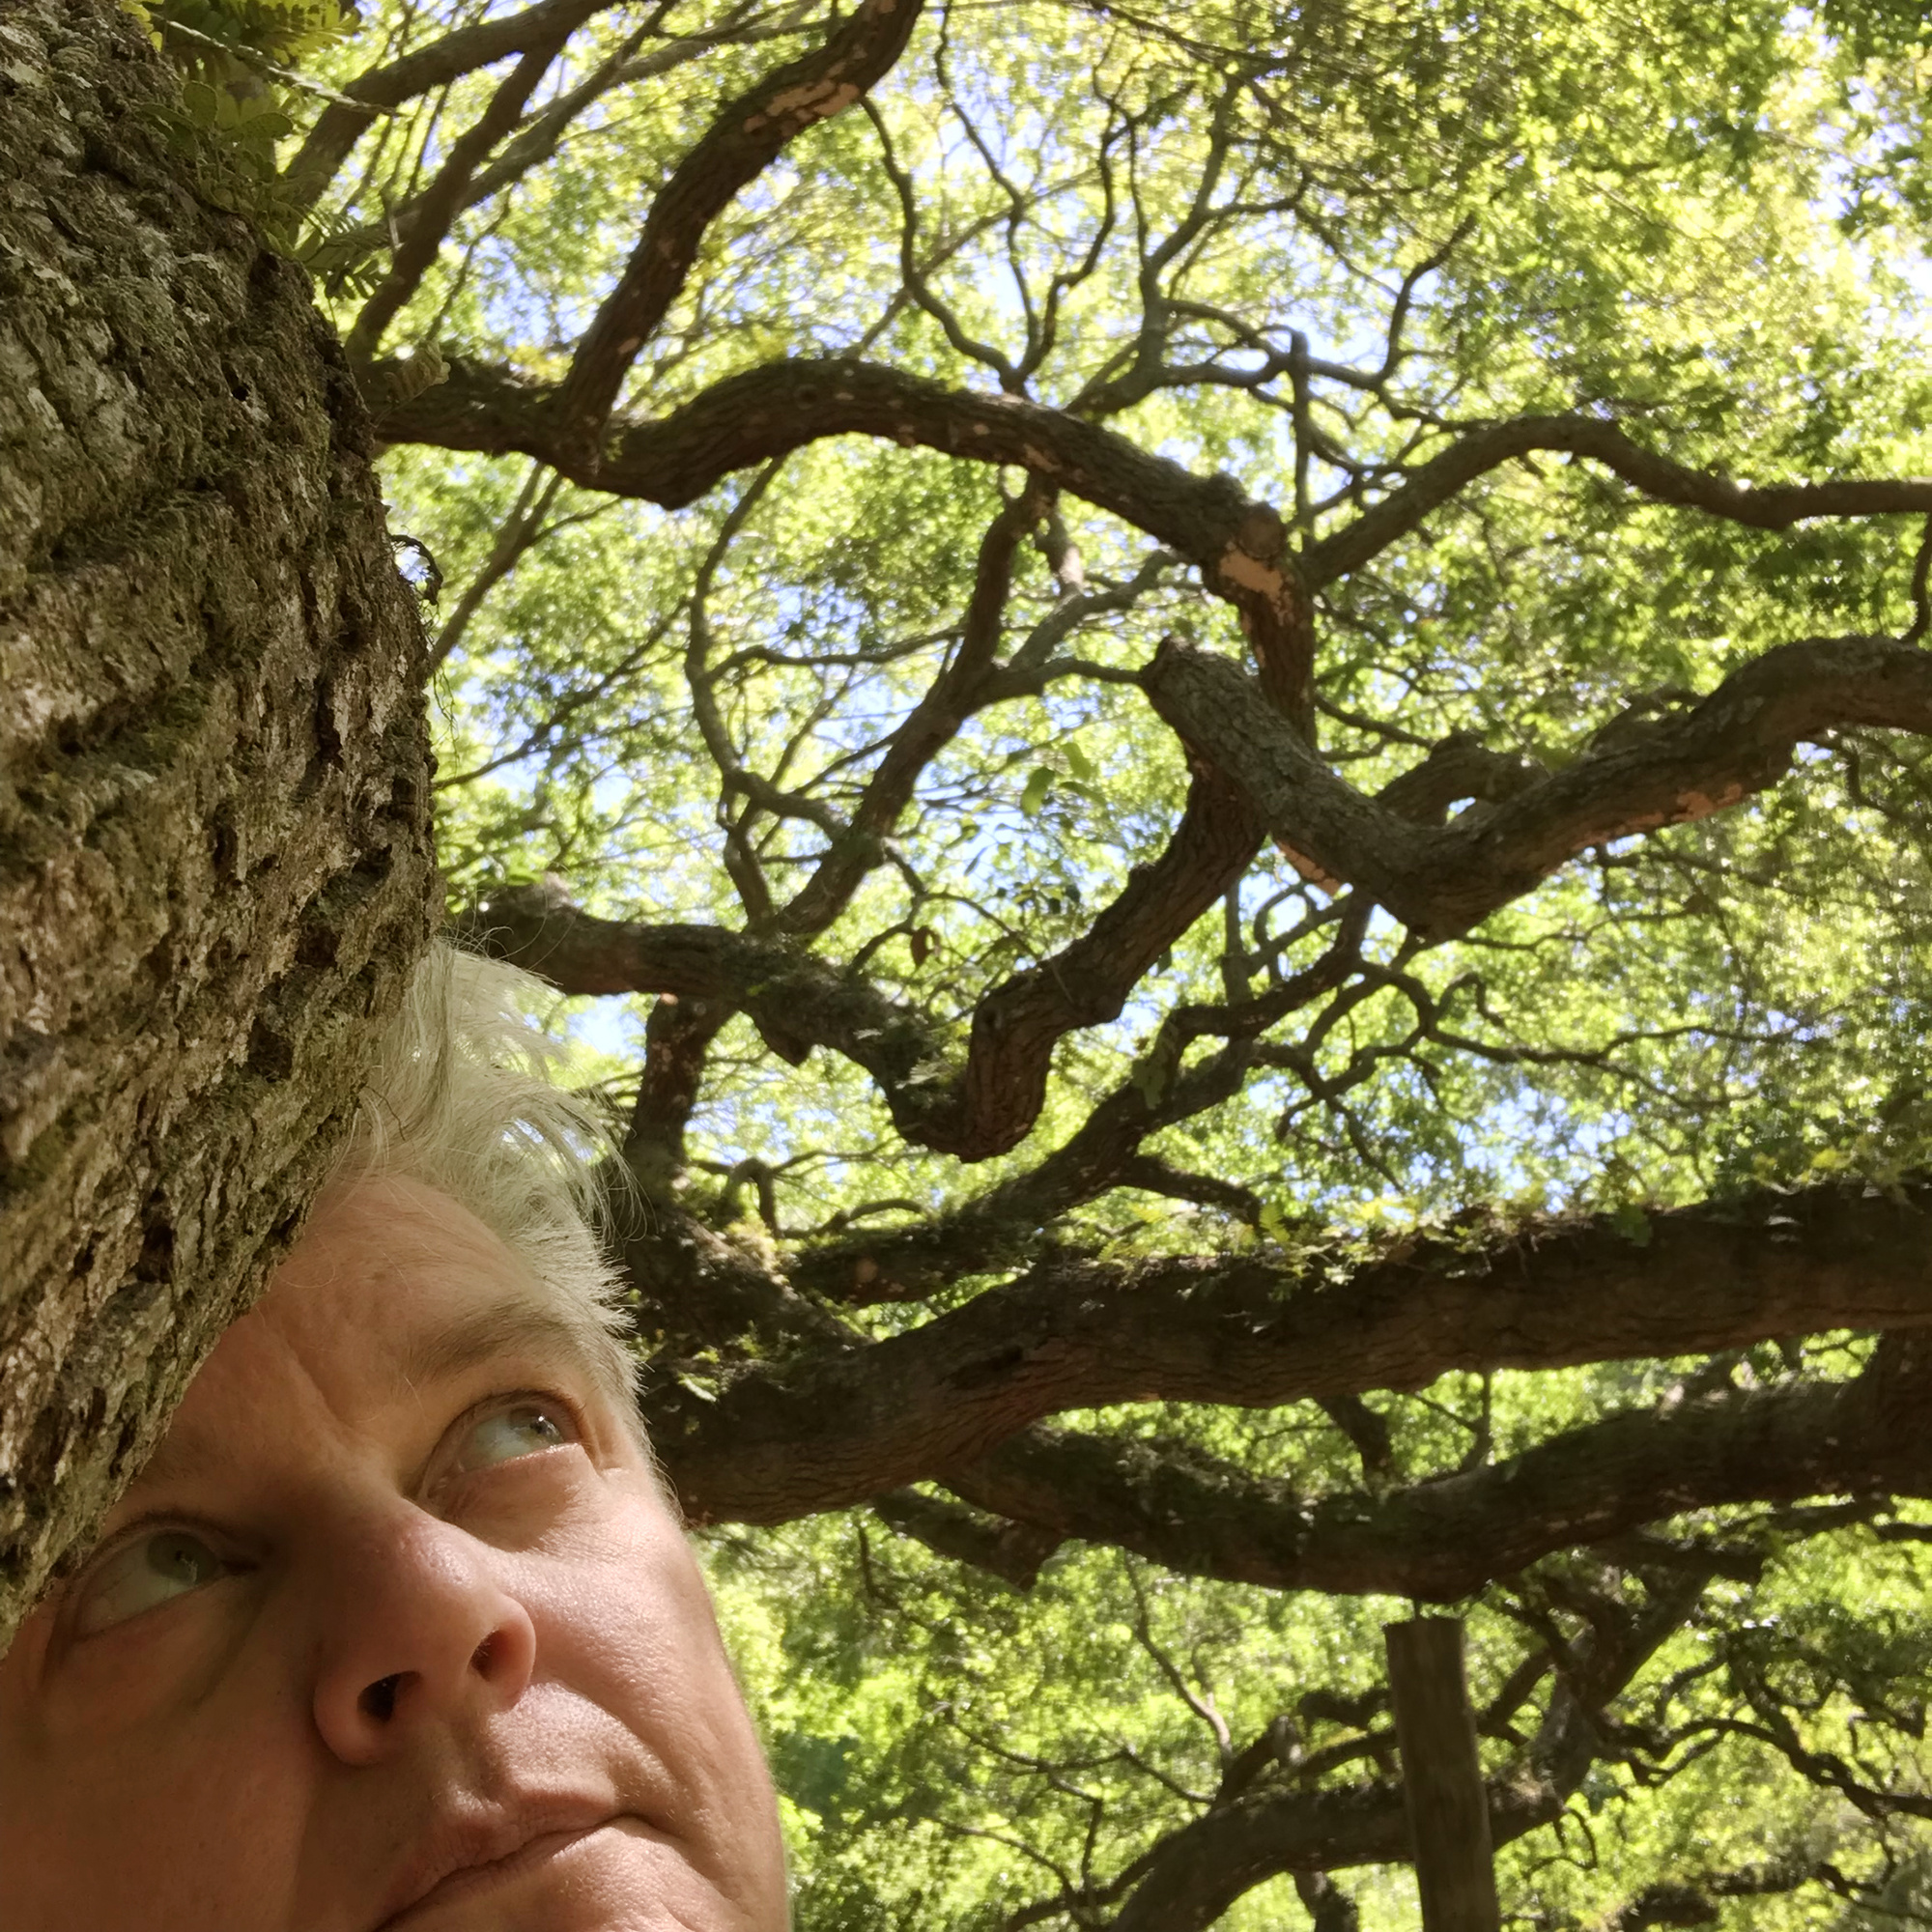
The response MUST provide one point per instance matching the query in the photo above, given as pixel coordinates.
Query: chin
(623, 1876)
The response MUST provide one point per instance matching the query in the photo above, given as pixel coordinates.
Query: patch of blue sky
(607, 1026)
(743, 1123)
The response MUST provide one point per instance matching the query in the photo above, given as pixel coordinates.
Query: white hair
(461, 1096)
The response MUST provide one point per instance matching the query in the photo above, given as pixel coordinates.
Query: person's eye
(149, 1569)
(523, 1428)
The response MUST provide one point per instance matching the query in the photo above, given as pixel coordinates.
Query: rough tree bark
(215, 855)
(1441, 1776)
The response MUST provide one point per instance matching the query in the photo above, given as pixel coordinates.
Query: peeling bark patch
(1235, 566)
(800, 107)
(1315, 873)
(1695, 805)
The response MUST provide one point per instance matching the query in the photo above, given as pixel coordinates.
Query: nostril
(480, 1658)
(378, 1700)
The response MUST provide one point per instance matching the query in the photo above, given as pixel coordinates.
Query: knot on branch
(1461, 766)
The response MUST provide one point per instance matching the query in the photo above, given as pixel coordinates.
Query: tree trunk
(215, 856)
(1442, 1784)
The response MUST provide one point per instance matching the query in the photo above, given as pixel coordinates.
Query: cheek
(193, 1822)
(631, 1632)
(629, 1625)
(154, 1676)
(627, 1587)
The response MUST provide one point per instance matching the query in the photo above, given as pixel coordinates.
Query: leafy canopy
(818, 424)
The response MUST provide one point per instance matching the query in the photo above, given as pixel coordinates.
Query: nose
(417, 1630)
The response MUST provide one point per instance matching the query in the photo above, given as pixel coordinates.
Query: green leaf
(1039, 781)
(1632, 1224)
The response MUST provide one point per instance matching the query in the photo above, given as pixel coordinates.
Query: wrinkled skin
(395, 1631)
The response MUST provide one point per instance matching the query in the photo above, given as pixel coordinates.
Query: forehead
(393, 1290)
(371, 1237)
(391, 1275)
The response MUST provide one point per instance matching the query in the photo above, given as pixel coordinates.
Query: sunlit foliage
(1309, 246)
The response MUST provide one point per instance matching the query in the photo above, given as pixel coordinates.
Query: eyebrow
(500, 1329)
(177, 1459)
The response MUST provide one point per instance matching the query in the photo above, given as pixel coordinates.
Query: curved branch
(677, 1039)
(1002, 1087)
(1197, 1873)
(959, 691)
(437, 206)
(1001, 1227)
(1444, 1539)
(1011, 1551)
(339, 126)
(796, 1001)
(1476, 452)
(516, 536)
(983, 1106)
(821, 1432)
(1443, 881)
(1239, 544)
(745, 137)
(540, 136)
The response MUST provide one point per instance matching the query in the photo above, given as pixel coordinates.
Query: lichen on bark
(215, 867)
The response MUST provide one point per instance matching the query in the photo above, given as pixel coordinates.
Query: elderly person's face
(395, 1631)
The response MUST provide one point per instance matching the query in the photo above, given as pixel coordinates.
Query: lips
(469, 1854)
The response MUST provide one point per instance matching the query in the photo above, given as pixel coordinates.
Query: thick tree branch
(1638, 776)
(1013, 1551)
(1458, 767)
(1002, 1087)
(1329, 1908)
(1686, 1903)
(1444, 1539)
(677, 1037)
(821, 1432)
(1240, 545)
(696, 1288)
(1155, 1175)
(746, 136)
(1198, 1872)
(797, 1001)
